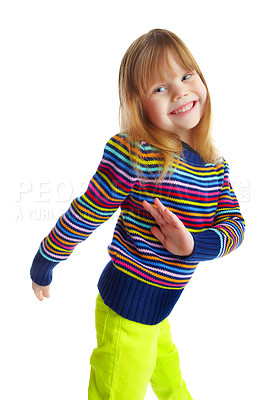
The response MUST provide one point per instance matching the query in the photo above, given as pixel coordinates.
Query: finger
(164, 212)
(148, 206)
(46, 292)
(172, 219)
(38, 294)
(153, 211)
(168, 216)
(36, 289)
(158, 234)
(159, 205)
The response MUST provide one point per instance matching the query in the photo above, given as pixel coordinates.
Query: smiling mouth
(184, 109)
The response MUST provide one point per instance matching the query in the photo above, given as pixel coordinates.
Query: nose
(179, 92)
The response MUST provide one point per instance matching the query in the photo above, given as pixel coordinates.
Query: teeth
(181, 110)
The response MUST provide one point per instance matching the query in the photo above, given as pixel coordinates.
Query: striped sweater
(143, 281)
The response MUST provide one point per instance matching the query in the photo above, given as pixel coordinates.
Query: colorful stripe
(199, 194)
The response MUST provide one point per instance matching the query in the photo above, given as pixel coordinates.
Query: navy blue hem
(133, 299)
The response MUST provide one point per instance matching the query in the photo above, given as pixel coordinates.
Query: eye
(187, 76)
(160, 89)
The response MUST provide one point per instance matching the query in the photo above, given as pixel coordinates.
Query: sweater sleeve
(107, 189)
(227, 231)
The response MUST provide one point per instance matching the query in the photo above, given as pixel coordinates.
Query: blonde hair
(138, 70)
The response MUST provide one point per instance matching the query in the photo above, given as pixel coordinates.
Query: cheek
(153, 111)
(203, 93)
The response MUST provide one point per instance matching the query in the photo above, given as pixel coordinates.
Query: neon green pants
(129, 355)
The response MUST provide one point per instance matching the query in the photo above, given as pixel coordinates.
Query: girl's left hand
(41, 291)
(173, 234)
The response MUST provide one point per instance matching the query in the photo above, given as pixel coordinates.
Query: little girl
(177, 209)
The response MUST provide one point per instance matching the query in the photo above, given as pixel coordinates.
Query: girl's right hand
(41, 291)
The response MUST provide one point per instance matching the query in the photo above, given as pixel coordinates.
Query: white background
(59, 106)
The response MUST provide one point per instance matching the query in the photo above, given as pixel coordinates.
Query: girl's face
(176, 103)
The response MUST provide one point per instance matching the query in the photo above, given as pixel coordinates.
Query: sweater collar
(191, 155)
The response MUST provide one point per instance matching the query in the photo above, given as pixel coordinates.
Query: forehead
(167, 64)
(170, 66)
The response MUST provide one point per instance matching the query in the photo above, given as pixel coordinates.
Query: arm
(107, 189)
(225, 235)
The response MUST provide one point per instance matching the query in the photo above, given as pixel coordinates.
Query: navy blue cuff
(41, 271)
(207, 246)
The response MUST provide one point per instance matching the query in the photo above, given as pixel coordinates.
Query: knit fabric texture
(143, 281)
